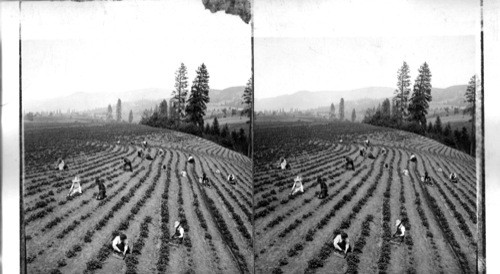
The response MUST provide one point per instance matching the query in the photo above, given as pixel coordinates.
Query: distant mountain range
(359, 99)
(137, 100)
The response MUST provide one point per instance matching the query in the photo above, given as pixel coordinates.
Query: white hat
(176, 224)
(76, 180)
(398, 222)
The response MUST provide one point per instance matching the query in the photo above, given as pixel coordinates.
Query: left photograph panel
(136, 138)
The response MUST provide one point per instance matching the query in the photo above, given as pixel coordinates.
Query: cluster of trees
(187, 113)
(109, 113)
(333, 115)
(410, 112)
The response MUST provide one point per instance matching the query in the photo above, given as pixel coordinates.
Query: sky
(343, 45)
(103, 46)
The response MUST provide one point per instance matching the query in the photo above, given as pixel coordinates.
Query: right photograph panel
(364, 151)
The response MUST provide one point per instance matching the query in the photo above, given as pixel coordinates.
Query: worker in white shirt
(179, 233)
(297, 186)
(76, 187)
(120, 245)
(400, 231)
(341, 243)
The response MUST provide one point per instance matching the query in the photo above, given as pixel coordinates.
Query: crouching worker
(341, 244)
(102, 189)
(427, 179)
(61, 165)
(190, 159)
(413, 158)
(399, 235)
(75, 187)
(204, 180)
(453, 177)
(297, 186)
(370, 155)
(283, 164)
(323, 193)
(120, 245)
(178, 236)
(127, 163)
(349, 163)
(230, 179)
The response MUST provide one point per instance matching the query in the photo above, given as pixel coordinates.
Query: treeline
(186, 114)
(409, 112)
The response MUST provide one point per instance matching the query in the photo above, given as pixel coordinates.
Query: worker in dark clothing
(349, 163)
(324, 189)
(102, 189)
(127, 163)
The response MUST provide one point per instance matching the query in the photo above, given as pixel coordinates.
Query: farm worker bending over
(75, 187)
(161, 152)
(204, 179)
(120, 245)
(413, 158)
(179, 233)
(61, 165)
(341, 243)
(140, 153)
(427, 179)
(324, 189)
(349, 163)
(371, 156)
(127, 163)
(453, 177)
(190, 159)
(183, 173)
(230, 178)
(367, 142)
(405, 172)
(144, 143)
(400, 231)
(283, 164)
(148, 157)
(297, 186)
(362, 152)
(383, 150)
(102, 189)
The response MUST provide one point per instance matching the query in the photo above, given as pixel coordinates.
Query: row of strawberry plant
(224, 230)
(325, 251)
(445, 228)
(164, 256)
(105, 251)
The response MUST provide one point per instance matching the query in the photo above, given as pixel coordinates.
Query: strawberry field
(294, 234)
(73, 235)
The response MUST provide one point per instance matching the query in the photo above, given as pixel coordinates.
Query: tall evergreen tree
(196, 104)
(438, 126)
(341, 109)
(421, 96)
(470, 99)
(401, 94)
(215, 127)
(247, 99)
(119, 110)
(385, 110)
(163, 109)
(353, 115)
(130, 117)
(332, 111)
(109, 115)
(180, 91)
